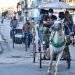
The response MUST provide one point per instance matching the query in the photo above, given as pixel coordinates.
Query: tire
(68, 58)
(69, 61)
(13, 38)
(40, 59)
(34, 52)
(73, 41)
(26, 43)
(11, 34)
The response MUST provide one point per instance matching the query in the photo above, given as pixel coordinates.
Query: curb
(1, 48)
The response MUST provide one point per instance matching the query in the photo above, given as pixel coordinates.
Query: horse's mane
(57, 25)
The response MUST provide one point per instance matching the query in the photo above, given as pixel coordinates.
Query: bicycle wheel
(13, 35)
(26, 43)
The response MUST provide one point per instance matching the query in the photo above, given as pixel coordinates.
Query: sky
(8, 3)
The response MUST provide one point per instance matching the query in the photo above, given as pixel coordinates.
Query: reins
(57, 45)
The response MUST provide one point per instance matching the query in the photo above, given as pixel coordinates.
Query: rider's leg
(10, 33)
(29, 39)
(66, 30)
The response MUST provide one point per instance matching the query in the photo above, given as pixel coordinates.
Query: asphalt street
(16, 61)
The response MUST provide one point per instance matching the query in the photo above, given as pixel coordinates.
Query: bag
(18, 38)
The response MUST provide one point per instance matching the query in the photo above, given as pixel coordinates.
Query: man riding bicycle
(27, 29)
(13, 24)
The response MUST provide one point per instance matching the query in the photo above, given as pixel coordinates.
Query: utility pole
(26, 9)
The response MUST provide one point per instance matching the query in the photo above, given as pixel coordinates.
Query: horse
(57, 44)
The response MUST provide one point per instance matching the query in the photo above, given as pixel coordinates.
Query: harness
(57, 45)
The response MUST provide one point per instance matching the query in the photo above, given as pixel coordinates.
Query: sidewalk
(1, 40)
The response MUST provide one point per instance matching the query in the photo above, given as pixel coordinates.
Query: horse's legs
(50, 63)
(58, 59)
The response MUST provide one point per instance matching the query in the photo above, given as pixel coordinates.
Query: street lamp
(18, 6)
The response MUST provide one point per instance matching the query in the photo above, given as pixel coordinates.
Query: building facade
(33, 4)
(67, 1)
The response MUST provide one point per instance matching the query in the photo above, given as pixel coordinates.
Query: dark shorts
(46, 39)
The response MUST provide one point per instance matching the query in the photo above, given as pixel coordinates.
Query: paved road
(16, 61)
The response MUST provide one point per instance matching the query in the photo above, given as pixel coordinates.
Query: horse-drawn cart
(53, 45)
(65, 56)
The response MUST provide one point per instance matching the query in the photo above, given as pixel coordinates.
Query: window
(48, 0)
(62, 0)
(70, 0)
(39, 0)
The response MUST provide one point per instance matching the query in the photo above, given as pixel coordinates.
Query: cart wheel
(40, 59)
(73, 41)
(68, 58)
(69, 64)
(34, 52)
(69, 61)
(13, 42)
(26, 47)
(13, 39)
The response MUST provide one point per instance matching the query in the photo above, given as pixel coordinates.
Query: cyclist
(27, 29)
(13, 24)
